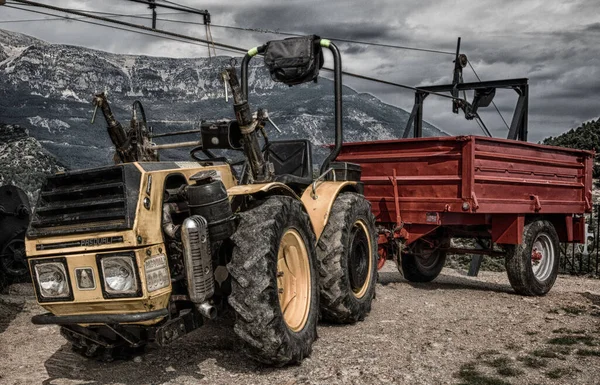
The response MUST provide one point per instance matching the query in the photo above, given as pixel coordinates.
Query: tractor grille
(86, 201)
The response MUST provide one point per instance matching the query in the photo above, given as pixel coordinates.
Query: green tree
(584, 137)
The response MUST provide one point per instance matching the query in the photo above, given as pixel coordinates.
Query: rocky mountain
(47, 88)
(23, 161)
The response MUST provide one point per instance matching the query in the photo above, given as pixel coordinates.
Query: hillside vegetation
(584, 137)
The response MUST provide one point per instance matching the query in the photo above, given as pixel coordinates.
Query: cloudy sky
(556, 44)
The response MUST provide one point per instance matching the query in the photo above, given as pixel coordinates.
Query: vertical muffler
(198, 262)
(211, 221)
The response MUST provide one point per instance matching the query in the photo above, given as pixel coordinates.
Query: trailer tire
(415, 269)
(347, 252)
(526, 275)
(261, 284)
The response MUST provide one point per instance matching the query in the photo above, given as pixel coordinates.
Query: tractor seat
(292, 161)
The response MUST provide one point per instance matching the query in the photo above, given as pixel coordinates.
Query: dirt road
(454, 330)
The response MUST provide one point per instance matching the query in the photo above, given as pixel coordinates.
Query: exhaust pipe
(197, 258)
(207, 310)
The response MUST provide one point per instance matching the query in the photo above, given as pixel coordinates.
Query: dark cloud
(554, 44)
(595, 27)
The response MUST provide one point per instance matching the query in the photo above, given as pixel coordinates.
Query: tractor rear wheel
(532, 266)
(424, 263)
(274, 287)
(347, 253)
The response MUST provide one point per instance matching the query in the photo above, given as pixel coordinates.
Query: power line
(30, 20)
(277, 32)
(63, 18)
(494, 104)
(258, 30)
(181, 5)
(181, 38)
(118, 28)
(176, 7)
(126, 24)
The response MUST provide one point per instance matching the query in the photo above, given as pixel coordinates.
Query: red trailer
(524, 197)
(515, 199)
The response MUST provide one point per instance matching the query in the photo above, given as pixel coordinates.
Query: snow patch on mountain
(48, 89)
(52, 125)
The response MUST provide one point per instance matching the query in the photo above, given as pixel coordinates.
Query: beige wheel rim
(357, 264)
(293, 280)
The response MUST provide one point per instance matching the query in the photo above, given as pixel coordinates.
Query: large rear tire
(424, 264)
(347, 253)
(275, 282)
(532, 266)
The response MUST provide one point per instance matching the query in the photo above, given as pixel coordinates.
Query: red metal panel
(508, 228)
(494, 176)
(579, 230)
(468, 177)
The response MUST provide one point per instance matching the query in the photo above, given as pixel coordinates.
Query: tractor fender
(318, 203)
(272, 188)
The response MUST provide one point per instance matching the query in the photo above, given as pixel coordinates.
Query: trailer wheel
(274, 291)
(532, 266)
(347, 253)
(424, 264)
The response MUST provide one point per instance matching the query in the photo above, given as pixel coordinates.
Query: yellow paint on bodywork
(93, 302)
(146, 227)
(147, 223)
(251, 189)
(319, 205)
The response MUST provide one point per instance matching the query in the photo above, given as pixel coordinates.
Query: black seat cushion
(292, 161)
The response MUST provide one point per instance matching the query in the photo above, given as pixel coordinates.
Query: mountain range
(48, 88)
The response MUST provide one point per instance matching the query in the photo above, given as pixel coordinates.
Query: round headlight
(52, 279)
(119, 275)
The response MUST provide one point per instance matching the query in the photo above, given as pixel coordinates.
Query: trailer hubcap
(542, 256)
(360, 260)
(293, 280)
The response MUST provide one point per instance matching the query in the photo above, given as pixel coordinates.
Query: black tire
(424, 268)
(13, 263)
(523, 277)
(254, 267)
(347, 253)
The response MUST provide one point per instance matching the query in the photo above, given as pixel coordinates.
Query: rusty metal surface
(441, 179)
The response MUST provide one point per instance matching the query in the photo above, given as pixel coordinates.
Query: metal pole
(337, 84)
(596, 240)
(418, 123)
(177, 145)
(176, 8)
(152, 6)
(175, 133)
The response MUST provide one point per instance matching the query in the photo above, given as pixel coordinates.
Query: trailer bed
(462, 180)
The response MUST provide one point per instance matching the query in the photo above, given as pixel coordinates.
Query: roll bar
(337, 81)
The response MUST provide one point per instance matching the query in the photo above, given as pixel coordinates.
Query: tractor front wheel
(275, 282)
(347, 253)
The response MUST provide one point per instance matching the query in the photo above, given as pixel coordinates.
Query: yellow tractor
(143, 251)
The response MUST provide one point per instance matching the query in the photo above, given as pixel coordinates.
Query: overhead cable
(180, 37)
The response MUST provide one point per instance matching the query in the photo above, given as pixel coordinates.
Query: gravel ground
(455, 330)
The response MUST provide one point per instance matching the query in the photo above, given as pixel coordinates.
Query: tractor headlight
(119, 273)
(157, 273)
(52, 280)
